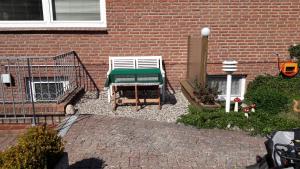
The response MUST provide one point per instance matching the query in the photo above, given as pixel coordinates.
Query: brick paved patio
(9, 134)
(7, 140)
(100, 141)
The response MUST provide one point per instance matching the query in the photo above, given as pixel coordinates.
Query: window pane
(47, 91)
(76, 10)
(220, 81)
(46, 88)
(21, 10)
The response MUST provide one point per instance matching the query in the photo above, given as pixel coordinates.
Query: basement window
(53, 13)
(237, 87)
(46, 89)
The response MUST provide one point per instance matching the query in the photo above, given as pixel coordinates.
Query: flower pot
(210, 106)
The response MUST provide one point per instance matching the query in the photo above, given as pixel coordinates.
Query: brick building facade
(247, 31)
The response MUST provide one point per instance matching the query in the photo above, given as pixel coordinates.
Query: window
(25, 10)
(47, 89)
(74, 10)
(237, 86)
(53, 13)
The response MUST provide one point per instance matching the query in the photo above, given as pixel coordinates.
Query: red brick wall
(248, 31)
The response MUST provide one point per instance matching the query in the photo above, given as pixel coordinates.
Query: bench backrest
(135, 62)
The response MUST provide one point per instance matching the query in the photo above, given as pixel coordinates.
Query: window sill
(31, 29)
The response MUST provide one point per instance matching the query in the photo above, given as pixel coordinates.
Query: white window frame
(242, 83)
(65, 85)
(48, 21)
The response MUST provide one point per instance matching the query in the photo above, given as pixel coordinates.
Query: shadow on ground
(146, 92)
(170, 98)
(90, 163)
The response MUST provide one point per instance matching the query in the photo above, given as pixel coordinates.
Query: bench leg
(136, 97)
(159, 100)
(163, 93)
(108, 95)
(114, 97)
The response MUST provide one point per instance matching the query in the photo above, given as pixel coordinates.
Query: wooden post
(197, 59)
(203, 63)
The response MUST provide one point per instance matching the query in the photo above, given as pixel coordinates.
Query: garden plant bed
(274, 99)
(188, 92)
(258, 123)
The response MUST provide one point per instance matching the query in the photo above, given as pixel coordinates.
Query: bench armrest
(106, 84)
(108, 72)
(162, 72)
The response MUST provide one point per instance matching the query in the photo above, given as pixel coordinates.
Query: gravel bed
(175, 105)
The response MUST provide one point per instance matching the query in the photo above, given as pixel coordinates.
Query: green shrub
(258, 122)
(272, 94)
(288, 86)
(37, 148)
(265, 123)
(261, 80)
(214, 119)
(268, 99)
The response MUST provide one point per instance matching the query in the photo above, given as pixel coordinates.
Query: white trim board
(48, 21)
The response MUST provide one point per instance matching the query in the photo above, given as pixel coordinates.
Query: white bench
(136, 62)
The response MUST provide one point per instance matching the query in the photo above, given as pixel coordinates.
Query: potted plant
(206, 96)
(295, 51)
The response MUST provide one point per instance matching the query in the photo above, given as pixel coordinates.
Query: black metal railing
(28, 81)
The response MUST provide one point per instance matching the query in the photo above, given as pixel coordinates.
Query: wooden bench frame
(136, 100)
(136, 62)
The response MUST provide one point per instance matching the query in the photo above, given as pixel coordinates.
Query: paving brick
(132, 143)
(8, 139)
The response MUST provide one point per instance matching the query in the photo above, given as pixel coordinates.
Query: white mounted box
(5, 78)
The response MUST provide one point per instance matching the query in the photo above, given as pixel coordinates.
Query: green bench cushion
(134, 76)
